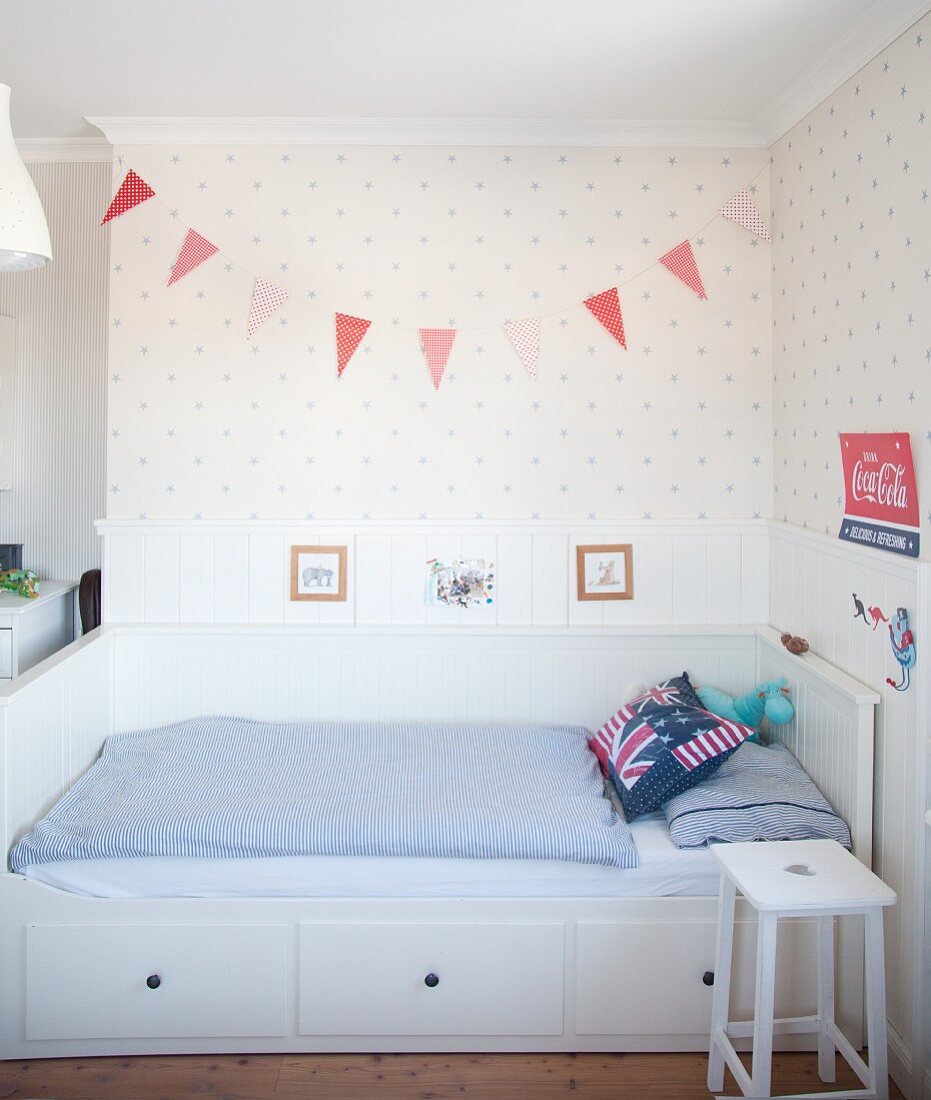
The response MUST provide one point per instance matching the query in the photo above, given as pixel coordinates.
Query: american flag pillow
(661, 743)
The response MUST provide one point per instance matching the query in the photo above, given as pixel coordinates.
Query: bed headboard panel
(831, 734)
(420, 673)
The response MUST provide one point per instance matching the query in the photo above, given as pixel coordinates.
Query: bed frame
(82, 976)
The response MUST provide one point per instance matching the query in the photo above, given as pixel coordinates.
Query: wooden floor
(397, 1077)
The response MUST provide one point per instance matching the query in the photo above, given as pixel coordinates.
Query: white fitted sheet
(664, 871)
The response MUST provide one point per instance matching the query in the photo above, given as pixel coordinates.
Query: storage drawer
(88, 982)
(6, 654)
(494, 979)
(621, 966)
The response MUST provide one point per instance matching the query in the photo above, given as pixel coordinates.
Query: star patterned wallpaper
(204, 422)
(851, 281)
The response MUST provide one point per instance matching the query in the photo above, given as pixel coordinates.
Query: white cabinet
(123, 981)
(431, 979)
(31, 630)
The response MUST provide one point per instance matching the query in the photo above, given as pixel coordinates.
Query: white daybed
(346, 973)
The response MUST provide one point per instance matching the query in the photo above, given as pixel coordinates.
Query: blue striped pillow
(758, 793)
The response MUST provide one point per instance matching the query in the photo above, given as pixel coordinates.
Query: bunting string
(436, 343)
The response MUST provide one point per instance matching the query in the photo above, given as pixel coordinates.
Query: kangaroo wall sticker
(877, 616)
(860, 611)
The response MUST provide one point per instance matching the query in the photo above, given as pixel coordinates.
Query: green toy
(770, 700)
(21, 581)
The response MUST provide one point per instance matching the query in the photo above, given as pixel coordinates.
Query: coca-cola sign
(882, 500)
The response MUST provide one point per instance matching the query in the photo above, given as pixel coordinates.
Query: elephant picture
(318, 572)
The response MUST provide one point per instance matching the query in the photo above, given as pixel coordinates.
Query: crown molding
(876, 29)
(71, 150)
(427, 131)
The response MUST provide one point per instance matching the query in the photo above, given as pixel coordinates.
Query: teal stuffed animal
(21, 581)
(769, 700)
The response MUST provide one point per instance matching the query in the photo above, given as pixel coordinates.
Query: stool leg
(763, 1013)
(720, 1004)
(826, 1048)
(876, 1002)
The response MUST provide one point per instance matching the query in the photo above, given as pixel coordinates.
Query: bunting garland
(193, 252)
(133, 190)
(525, 338)
(741, 210)
(266, 298)
(606, 307)
(436, 343)
(681, 262)
(349, 333)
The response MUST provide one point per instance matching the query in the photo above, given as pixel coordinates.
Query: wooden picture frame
(605, 572)
(314, 570)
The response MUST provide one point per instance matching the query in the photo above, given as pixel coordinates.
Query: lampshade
(24, 239)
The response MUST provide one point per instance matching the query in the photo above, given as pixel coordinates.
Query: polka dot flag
(437, 344)
(193, 252)
(525, 336)
(349, 333)
(266, 298)
(741, 210)
(607, 308)
(681, 262)
(133, 190)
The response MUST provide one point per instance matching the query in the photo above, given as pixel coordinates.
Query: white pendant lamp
(24, 239)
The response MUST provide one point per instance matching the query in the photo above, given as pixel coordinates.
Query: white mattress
(664, 871)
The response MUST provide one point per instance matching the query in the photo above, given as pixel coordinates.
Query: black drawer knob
(708, 977)
(431, 981)
(153, 981)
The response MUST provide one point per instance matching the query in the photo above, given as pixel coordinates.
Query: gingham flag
(437, 344)
(193, 252)
(681, 262)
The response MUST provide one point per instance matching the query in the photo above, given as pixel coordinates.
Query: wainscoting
(688, 573)
(813, 578)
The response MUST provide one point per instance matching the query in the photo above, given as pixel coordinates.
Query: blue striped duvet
(230, 787)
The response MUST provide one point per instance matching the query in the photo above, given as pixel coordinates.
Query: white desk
(31, 630)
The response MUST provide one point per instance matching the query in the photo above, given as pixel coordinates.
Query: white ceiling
(744, 66)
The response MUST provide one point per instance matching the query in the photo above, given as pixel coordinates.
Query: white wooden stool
(810, 878)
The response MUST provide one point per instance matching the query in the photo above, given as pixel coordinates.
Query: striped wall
(61, 361)
(813, 578)
(688, 573)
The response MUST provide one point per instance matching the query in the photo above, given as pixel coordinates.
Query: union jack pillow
(661, 743)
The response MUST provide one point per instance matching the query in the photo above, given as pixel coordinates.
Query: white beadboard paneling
(373, 579)
(514, 599)
(653, 578)
(60, 485)
(231, 578)
(814, 577)
(125, 573)
(407, 584)
(266, 579)
(689, 579)
(162, 578)
(724, 588)
(196, 580)
(550, 568)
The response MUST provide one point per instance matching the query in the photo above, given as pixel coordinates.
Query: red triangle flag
(437, 344)
(193, 252)
(133, 190)
(681, 262)
(349, 333)
(607, 308)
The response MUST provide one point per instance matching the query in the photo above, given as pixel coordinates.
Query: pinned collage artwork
(468, 582)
